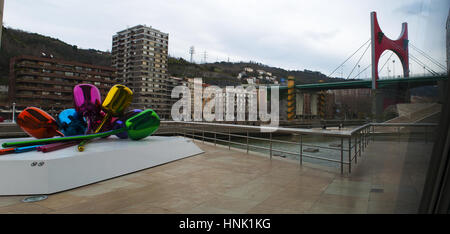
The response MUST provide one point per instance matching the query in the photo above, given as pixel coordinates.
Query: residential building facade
(140, 57)
(48, 83)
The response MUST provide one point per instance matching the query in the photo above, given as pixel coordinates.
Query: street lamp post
(409, 69)
(358, 71)
(393, 68)
(14, 112)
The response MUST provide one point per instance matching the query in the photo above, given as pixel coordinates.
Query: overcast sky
(296, 35)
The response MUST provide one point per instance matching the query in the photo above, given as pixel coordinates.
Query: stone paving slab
(387, 179)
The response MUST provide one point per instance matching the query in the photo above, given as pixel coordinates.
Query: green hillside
(17, 42)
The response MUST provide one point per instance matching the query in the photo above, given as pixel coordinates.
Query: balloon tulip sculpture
(89, 119)
(137, 127)
(117, 100)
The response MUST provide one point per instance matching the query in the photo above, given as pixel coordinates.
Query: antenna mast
(192, 51)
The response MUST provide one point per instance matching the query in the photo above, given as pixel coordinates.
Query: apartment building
(140, 56)
(48, 83)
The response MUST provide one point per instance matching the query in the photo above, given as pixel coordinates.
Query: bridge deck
(367, 84)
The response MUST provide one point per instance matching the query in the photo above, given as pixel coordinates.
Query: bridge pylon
(381, 42)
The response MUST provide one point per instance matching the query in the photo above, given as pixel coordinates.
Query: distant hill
(17, 42)
(225, 73)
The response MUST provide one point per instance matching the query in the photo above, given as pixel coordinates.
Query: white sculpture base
(45, 173)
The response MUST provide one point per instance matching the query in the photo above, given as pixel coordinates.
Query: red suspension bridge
(389, 89)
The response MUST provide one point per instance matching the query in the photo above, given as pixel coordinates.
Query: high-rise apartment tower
(140, 56)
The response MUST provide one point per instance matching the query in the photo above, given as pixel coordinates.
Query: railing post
(365, 138)
(359, 139)
(342, 156)
(350, 155)
(203, 135)
(270, 146)
(368, 135)
(301, 150)
(356, 147)
(247, 141)
(362, 139)
(229, 138)
(350, 145)
(373, 133)
(215, 137)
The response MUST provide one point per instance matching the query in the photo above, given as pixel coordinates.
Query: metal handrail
(357, 138)
(269, 129)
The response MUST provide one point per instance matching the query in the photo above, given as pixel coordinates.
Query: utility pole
(204, 56)
(192, 51)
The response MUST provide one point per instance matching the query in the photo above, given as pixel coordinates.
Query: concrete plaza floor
(387, 179)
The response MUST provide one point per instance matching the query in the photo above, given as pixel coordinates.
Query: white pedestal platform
(45, 173)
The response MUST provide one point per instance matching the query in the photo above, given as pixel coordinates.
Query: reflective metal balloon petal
(87, 101)
(142, 125)
(72, 123)
(38, 123)
(117, 100)
(120, 123)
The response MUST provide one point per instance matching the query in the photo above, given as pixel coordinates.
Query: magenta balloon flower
(88, 101)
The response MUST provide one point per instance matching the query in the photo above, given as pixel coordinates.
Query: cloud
(315, 35)
(414, 8)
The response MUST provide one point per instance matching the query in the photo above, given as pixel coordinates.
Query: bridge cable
(349, 57)
(423, 65)
(428, 57)
(419, 62)
(392, 53)
(359, 60)
(370, 65)
(362, 71)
